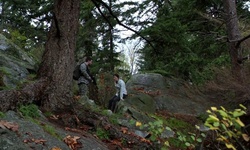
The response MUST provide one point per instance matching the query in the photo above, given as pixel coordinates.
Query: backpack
(77, 72)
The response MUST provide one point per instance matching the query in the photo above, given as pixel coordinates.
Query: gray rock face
(148, 81)
(15, 63)
(170, 94)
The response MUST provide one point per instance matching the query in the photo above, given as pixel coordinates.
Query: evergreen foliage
(187, 37)
(26, 21)
(185, 42)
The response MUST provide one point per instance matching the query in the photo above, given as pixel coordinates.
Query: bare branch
(241, 40)
(97, 6)
(119, 22)
(217, 21)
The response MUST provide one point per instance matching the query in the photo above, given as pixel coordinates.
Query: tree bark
(54, 84)
(233, 37)
(58, 60)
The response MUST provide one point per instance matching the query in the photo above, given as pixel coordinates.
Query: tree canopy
(183, 38)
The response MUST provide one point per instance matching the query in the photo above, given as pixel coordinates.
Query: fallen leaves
(9, 125)
(31, 139)
(117, 142)
(77, 97)
(55, 148)
(69, 140)
(37, 141)
(14, 127)
(149, 92)
(74, 130)
(72, 142)
(125, 130)
(54, 117)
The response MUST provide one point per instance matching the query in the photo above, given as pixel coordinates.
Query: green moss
(102, 134)
(51, 130)
(4, 71)
(30, 111)
(2, 114)
(48, 114)
(175, 142)
(178, 124)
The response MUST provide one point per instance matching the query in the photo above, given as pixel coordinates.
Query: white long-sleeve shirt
(120, 88)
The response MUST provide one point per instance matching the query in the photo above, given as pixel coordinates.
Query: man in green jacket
(85, 77)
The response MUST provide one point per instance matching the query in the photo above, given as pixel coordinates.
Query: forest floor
(223, 89)
(117, 143)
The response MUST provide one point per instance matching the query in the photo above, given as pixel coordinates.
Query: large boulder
(165, 93)
(15, 64)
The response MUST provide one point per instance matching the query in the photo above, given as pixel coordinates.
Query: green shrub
(186, 136)
(102, 134)
(155, 128)
(30, 111)
(228, 127)
(2, 114)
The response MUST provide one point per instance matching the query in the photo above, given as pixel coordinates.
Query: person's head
(116, 77)
(88, 60)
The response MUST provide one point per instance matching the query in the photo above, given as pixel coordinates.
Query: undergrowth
(51, 130)
(29, 111)
(2, 114)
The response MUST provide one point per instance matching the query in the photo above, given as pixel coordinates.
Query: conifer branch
(118, 21)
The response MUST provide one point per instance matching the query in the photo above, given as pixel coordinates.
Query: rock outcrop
(15, 64)
(152, 92)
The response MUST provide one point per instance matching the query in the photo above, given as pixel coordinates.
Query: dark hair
(116, 75)
(88, 59)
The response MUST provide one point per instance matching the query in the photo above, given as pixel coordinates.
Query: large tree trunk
(58, 59)
(54, 84)
(234, 36)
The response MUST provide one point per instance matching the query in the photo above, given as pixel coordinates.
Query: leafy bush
(155, 128)
(227, 127)
(184, 140)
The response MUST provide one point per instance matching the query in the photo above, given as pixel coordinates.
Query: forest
(188, 39)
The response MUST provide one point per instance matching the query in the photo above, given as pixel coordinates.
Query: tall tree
(234, 36)
(58, 58)
(53, 87)
(190, 38)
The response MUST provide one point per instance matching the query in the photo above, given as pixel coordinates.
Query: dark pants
(83, 89)
(113, 101)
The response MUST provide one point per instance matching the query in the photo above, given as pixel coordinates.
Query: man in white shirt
(121, 92)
